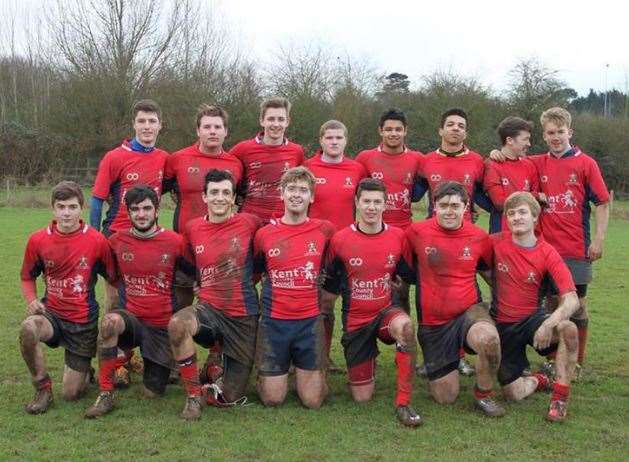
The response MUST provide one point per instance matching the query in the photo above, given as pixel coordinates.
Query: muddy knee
(177, 330)
(569, 334)
(28, 332)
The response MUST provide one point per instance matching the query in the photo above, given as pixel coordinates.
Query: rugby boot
(489, 407)
(192, 409)
(104, 404)
(465, 368)
(407, 416)
(136, 364)
(122, 378)
(557, 411)
(41, 402)
(578, 371)
(548, 369)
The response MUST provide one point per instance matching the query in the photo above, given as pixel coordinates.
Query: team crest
(164, 258)
(235, 244)
(408, 179)
(286, 166)
(466, 254)
(390, 261)
(527, 185)
(544, 179)
(348, 182)
(467, 179)
(311, 248)
(572, 178)
(505, 181)
(82, 263)
(531, 278)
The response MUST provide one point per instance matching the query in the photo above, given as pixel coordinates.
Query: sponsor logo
(133, 176)
(435, 177)
(320, 181)
(372, 289)
(199, 249)
(67, 288)
(127, 256)
(355, 261)
(505, 181)
(148, 285)
(193, 170)
(377, 175)
(398, 201)
(300, 277)
(562, 203)
(274, 252)
(502, 267)
(430, 250)
(255, 164)
(544, 179)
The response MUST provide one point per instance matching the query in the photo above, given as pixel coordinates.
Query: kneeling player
(448, 251)
(69, 254)
(362, 260)
(522, 264)
(221, 246)
(147, 257)
(290, 252)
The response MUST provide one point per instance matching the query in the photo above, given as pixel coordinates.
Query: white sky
(479, 38)
(483, 39)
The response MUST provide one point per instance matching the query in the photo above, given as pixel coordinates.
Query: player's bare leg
(272, 389)
(401, 329)
(362, 393)
(445, 390)
(581, 319)
(181, 328)
(566, 361)
(36, 329)
(74, 384)
(483, 338)
(327, 302)
(111, 327)
(312, 387)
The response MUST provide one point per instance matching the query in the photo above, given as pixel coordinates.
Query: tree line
(67, 84)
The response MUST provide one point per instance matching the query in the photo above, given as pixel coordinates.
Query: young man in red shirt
(522, 265)
(265, 158)
(69, 254)
(220, 245)
(290, 252)
(362, 263)
(447, 251)
(336, 178)
(517, 173)
(569, 181)
(185, 175)
(147, 257)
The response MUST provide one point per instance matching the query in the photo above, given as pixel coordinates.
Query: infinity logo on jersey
(355, 261)
(275, 252)
(505, 181)
(320, 181)
(255, 164)
(127, 256)
(544, 179)
(133, 176)
(430, 250)
(435, 177)
(193, 170)
(199, 249)
(502, 267)
(377, 175)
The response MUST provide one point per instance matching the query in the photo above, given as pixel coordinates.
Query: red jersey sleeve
(105, 176)
(485, 261)
(108, 266)
(597, 190)
(492, 183)
(32, 266)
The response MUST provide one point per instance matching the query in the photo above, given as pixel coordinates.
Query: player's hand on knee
(543, 336)
(35, 307)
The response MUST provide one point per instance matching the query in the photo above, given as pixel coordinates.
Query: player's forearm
(96, 211)
(29, 290)
(601, 217)
(568, 305)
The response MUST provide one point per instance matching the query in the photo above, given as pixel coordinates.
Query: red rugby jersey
(185, 173)
(146, 272)
(466, 168)
(291, 257)
(570, 184)
(362, 267)
(70, 264)
(503, 179)
(120, 170)
(520, 275)
(334, 190)
(263, 167)
(223, 257)
(446, 263)
(397, 172)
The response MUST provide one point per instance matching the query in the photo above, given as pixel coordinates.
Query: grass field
(598, 428)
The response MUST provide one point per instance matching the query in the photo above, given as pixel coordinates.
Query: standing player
(517, 173)
(569, 181)
(290, 251)
(69, 254)
(146, 259)
(136, 161)
(265, 158)
(447, 251)
(362, 261)
(522, 264)
(454, 161)
(185, 175)
(336, 179)
(221, 245)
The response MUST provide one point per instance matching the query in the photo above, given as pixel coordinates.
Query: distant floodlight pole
(605, 97)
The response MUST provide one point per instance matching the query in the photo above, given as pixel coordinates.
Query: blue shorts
(285, 341)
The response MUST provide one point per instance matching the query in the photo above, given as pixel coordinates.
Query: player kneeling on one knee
(147, 257)
(522, 265)
(448, 252)
(362, 265)
(69, 254)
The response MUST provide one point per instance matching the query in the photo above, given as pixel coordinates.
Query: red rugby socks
(404, 362)
(107, 364)
(189, 373)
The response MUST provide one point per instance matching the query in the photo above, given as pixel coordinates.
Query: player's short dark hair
(455, 111)
(370, 184)
(66, 190)
(216, 176)
(139, 193)
(392, 114)
(512, 126)
(276, 102)
(146, 105)
(451, 188)
(206, 110)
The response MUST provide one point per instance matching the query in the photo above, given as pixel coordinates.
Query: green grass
(598, 428)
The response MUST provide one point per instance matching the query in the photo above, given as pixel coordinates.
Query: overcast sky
(479, 38)
(483, 39)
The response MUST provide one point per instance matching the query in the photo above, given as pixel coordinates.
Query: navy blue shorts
(285, 341)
